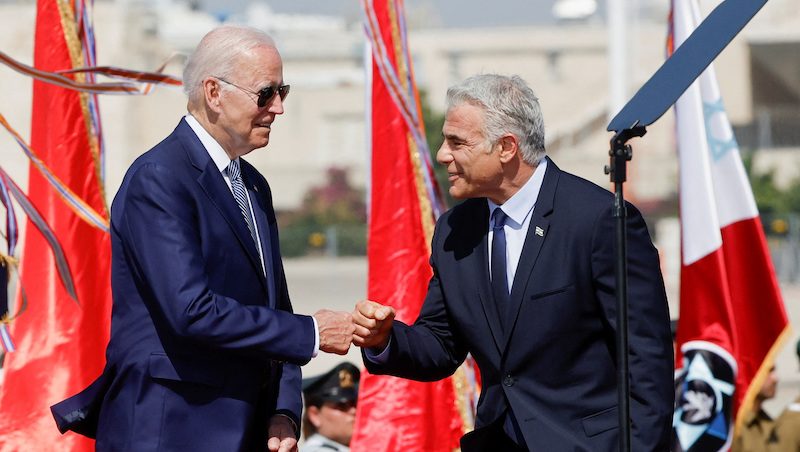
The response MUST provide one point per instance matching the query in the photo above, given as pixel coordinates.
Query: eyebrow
(452, 136)
(266, 84)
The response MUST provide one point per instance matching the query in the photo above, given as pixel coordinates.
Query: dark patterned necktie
(240, 194)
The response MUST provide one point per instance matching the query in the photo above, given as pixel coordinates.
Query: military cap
(339, 385)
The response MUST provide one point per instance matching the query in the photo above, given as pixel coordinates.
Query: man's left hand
(281, 435)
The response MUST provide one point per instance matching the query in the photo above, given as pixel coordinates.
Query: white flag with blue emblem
(731, 312)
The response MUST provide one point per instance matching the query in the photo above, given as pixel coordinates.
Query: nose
(443, 155)
(275, 105)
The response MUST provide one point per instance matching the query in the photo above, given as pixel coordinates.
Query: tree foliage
(331, 219)
(434, 121)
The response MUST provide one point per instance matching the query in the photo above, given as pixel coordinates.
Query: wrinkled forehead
(470, 107)
(466, 113)
(260, 63)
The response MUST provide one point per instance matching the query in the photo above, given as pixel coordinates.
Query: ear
(212, 92)
(313, 416)
(509, 147)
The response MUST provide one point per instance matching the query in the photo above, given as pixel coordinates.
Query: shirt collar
(520, 205)
(215, 151)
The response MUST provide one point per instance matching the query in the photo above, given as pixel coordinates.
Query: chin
(260, 144)
(456, 194)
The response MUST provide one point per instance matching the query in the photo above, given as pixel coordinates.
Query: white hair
(217, 54)
(509, 106)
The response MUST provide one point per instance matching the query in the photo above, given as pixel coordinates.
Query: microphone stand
(620, 153)
(649, 103)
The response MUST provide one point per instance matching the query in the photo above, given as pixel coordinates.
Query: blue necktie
(499, 272)
(240, 194)
(502, 300)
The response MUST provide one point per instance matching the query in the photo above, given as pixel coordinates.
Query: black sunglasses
(265, 94)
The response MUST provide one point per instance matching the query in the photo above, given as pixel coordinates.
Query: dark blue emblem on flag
(704, 389)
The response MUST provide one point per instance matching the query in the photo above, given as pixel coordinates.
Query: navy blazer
(552, 359)
(204, 346)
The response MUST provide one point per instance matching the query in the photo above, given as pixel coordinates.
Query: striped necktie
(240, 194)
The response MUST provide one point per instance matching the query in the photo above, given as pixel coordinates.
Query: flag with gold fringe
(396, 414)
(59, 342)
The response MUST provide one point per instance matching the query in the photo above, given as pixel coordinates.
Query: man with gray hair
(524, 280)
(205, 350)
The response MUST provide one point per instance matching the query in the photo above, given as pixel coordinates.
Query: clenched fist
(373, 324)
(335, 331)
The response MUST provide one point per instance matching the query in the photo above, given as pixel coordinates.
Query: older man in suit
(523, 279)
(205, 350)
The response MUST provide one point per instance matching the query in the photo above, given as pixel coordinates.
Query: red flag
(60, 342)
(396, 414)
(732, 318)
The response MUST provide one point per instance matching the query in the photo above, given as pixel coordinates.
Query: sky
(421, 13)
(443, 13)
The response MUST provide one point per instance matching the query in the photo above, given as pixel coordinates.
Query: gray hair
(217, 53)
(509, 106)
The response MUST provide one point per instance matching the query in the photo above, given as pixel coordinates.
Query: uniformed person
(787, 427)
(330, 413)
(758, 429)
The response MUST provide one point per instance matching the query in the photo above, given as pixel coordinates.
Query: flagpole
(620, 154)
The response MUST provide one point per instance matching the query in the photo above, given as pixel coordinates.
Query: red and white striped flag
(732, 317)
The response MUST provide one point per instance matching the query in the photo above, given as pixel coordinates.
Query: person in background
(330, 401)
(758, 429)
(787, 426)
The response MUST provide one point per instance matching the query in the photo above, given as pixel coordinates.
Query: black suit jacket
(204, 347)
(552, 360)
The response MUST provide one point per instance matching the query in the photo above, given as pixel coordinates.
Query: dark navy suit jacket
(552, 358)
(204, 348)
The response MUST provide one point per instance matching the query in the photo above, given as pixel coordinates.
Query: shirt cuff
(316, 338)
(379, 358)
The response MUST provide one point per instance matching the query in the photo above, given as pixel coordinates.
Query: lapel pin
(539, 231)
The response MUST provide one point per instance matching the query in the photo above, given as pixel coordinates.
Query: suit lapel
(267, 231)
(490, 308)
(534, 239)
(212, 183)
(478, 263)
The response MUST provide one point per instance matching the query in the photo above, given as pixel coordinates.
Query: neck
(207, 119)
(514, 177)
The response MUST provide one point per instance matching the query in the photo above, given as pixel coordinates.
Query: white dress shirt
(519, 208)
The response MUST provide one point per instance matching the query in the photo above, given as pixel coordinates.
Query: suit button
(508, 381)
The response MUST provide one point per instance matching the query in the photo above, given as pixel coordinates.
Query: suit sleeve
(650, 341)
(429, 350)
(289, 400)
(162, 241)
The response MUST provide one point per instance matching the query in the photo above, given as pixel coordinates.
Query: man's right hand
(373, 322)
(335, 331)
